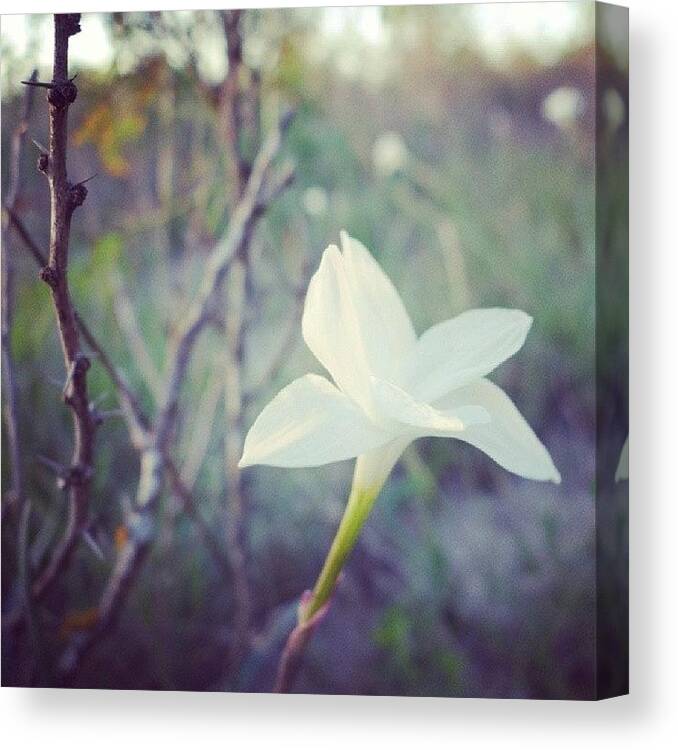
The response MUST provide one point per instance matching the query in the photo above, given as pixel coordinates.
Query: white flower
(390, 387)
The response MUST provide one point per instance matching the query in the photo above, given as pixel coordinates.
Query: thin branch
(232, 101)
(136, 419)
(65, 197)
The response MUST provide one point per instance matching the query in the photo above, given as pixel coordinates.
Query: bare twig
(65, 197)
(237, 288)
(232, 101)
(9, 383)
(136, 419)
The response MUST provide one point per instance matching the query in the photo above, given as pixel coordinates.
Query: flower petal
(507, 438)
(310, 423)
(623, 465)
(354, 320)
(332, 331)
(461, 350)
(417, 418)
(385, 325)
(372, 468)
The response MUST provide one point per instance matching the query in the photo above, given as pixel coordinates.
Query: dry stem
(65, 197)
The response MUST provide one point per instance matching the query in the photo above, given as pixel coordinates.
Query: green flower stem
(357, 510)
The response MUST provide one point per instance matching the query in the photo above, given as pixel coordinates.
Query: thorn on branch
(60, 94)
(77, 193)
(75, 476)
(39, 84)
(66, 476)
(49, 276)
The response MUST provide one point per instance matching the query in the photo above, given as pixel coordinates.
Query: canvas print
(315, 350)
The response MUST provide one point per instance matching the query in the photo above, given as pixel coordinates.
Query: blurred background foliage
(461, 151)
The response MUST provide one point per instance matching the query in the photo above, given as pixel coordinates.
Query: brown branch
(137, 421)
(13, 195)
(65, 197)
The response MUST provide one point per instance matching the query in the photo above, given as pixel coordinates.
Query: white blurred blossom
(389, 154)
(315, 201)
(563, 106)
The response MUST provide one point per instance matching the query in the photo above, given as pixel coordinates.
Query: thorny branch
(65, 197)
(259, 185)
(137, 421)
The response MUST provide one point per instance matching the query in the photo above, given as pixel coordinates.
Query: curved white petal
(354, 320)
(461, 350)
(310, 423)
(385, 325)
(397, 407)
(506, 438)
(331, 328)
